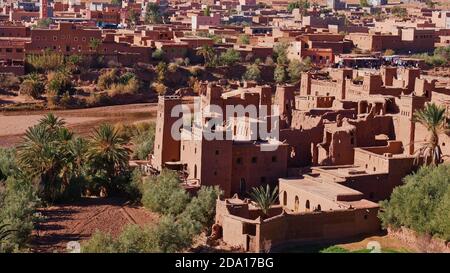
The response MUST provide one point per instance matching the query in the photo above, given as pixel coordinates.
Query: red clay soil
(78, 221)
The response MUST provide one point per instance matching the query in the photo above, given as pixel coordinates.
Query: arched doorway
(319, 208)
(307, 206)
(297, 204)
(284, 198)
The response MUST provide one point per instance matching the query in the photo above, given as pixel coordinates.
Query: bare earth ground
(386, 242)
(78, 221)
(14, 124)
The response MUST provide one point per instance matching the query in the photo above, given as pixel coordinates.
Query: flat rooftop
(328, 190)
(345, 171)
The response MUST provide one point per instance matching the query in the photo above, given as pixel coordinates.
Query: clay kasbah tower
(192, 130)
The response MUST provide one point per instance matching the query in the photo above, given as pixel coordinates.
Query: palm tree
(44, 154)
(433, 118)
(32, 86)
(264, 198)
(208, 54)
(94, 44)
(78, 149)
(39, 156)
(52, 122)
(108, 150)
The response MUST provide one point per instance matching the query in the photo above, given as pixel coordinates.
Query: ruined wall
(301, 143)
(368, 128)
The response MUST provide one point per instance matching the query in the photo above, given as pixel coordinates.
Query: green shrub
(172, 67)
(279, 74)
(158, 55)
(135, 239)
(334, 249)
(164, 194)
(244, 39)
(100, 243)
(8, 164)
(143, 138)
(134, 188)
(32, 86)
(252, 73)
(60, 83)
(229, 57)
(165, 237)
(47, 61)
(201, 210)
(106, 79)
(280, 53)
(172, 233)
(18, 202)
(422, 203)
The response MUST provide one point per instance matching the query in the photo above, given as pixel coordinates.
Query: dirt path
(14, 124)
(78, 221)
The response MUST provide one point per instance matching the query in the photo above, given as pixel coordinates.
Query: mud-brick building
(236, 164)
(298, 219)
(326, 204)
(12, 55)
(67, 38)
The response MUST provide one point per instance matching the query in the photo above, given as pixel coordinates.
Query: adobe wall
(373, 186)
(326, 88)
(340, 151)
(300, 144)
(297, 200)
(232, 234)
(392, 147)
(368, 128)
(209, 162)
(317, 226)
(252, 167)
(216, 165)
(166, 148)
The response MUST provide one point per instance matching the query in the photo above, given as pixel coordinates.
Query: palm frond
(264, 197)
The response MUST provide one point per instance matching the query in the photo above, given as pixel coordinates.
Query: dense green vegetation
(114, 83)
(422, 203)
(399, 11)
(302, 5)
(229, 57)
(51, 164)
(440, 57)
(153, 14)
(18, 201)
(183, 218)
(288, 70)
(253, 73)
